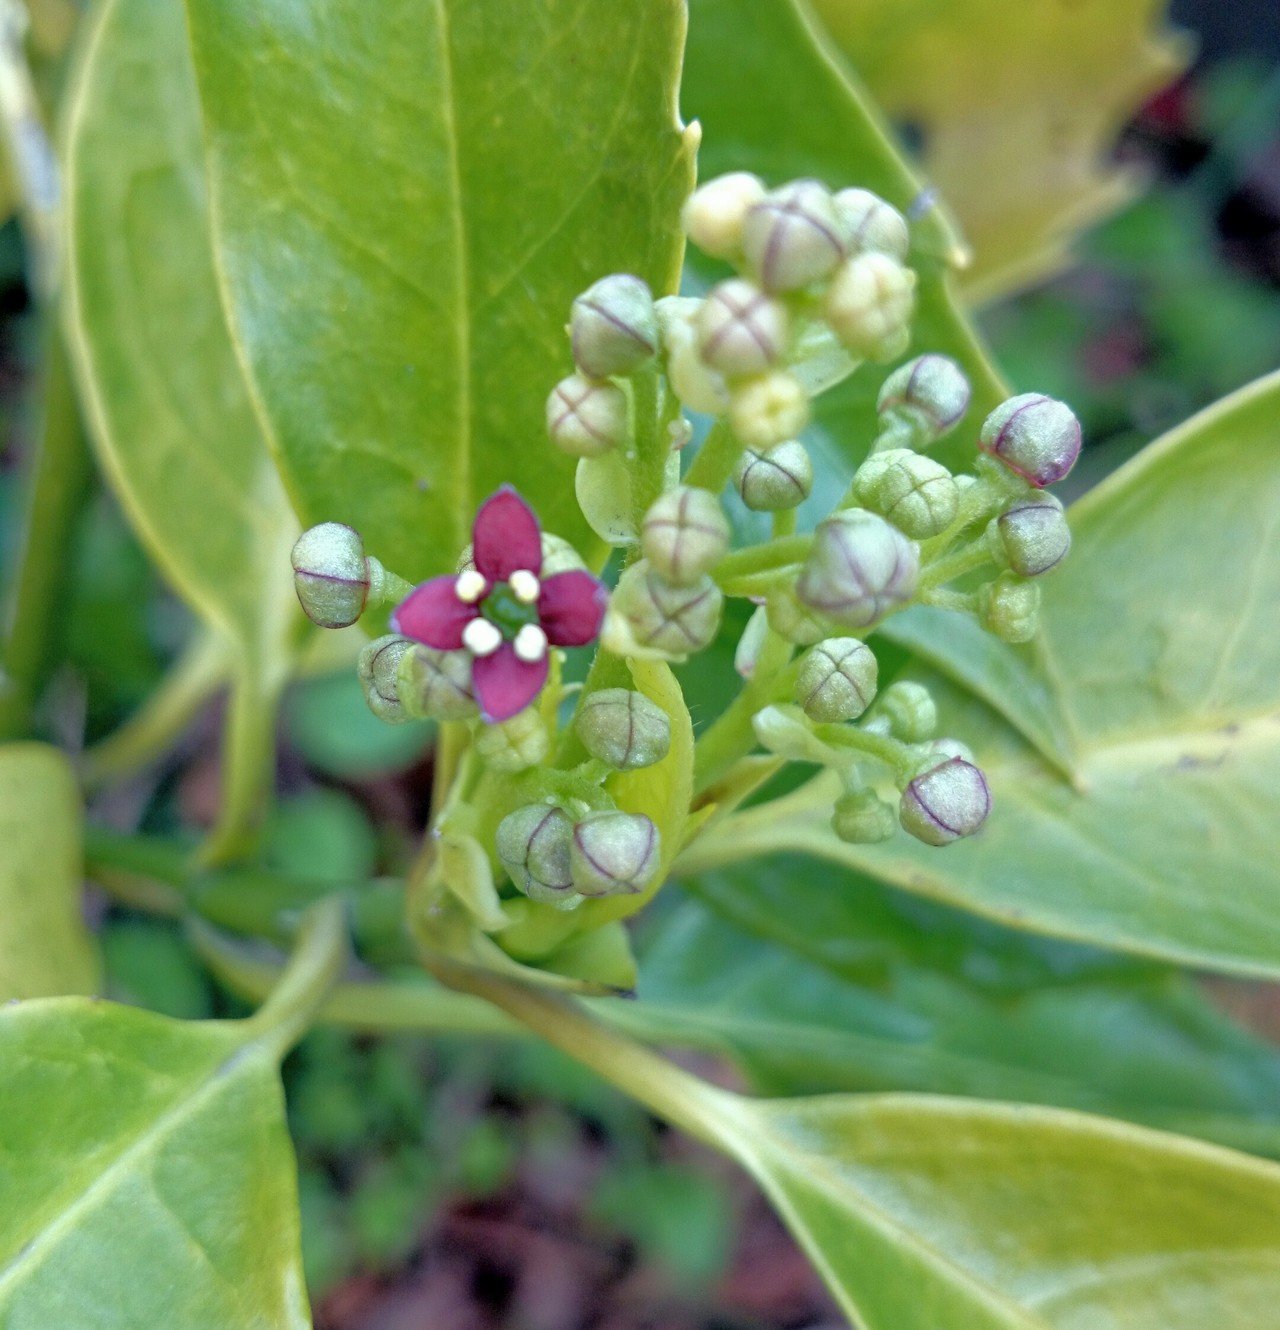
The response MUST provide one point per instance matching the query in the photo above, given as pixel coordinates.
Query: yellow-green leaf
(1017, 107)
(408, 196)
(45, 949)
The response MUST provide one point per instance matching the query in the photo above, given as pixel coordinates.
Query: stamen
(531, 644)
(524, 586)
(482, 638)
(470, 586)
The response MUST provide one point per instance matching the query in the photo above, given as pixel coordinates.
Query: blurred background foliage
(472, 1184)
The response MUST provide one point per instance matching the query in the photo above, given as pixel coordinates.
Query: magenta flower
(502, 611)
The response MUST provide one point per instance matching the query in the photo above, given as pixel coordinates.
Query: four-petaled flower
(502, 611)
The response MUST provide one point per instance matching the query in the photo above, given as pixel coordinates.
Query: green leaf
(774, 96)
(408, 197)
(1016, 107)
(145, 1164)
(171, 418)
(927, 1212)
(824, 981)
(1159, 647)
(45, 949)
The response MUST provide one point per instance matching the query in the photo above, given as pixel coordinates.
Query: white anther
(470, 586)
(531, 644)
(481, 638)
(524, 586)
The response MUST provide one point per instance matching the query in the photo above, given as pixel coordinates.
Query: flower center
(507, 612)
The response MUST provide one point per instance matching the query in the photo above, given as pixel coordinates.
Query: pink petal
(571, 608)
(504, 684)
(506, 536)
(432, 613)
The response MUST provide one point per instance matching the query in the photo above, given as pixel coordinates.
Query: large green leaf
(45, 950)
(407, 198)
(170, 414)
(925, 1213)
(1163, 663)
(145, 1164)
(1015, 108)
(774, 96)
(817, 979)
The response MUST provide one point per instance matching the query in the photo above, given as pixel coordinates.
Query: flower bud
(862, 818)
(377, 667)
(740, 330)
(614, 327)
(945, 803)
(768, 410)
(1032, 535)
(714, 214)
(775, 478)
(436, 685)
(694, 382)
(792, 237)
(940, 749)
(910, 710)
(866, 480)
(918, 495)
(1035, 436)
(928, 395)
(647, 616)
(516, 744)
(786, 733)
(623, 728)
(684, 534)
(613, 854)
(858, 569)
(533, 844)
(331, 574)
(746, 655)
(585, 418)
(837, 680)
(1009, 608)
(869, 306)
(869, 224)
(794, 621)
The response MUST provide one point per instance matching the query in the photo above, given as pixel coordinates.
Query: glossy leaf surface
(407, 198)
(45, 949)
(1163, 667)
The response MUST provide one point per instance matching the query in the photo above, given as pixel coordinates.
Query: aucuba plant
(766, 681)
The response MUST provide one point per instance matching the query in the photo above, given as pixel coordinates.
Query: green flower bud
(794, 621)
(714, 214)
(516, 744)
(858, 569)
(1035, 436)
(614, 327)
(647, 616)
(768, 410)
(837, 680)
(792, 237)
(533, 844)
(585, 418)
(910, 710)
(941, 749)
(623, 728)
(331, 574)
(928, 395)
(785, 733)
(698, 386)
(869, 306)
(776, 478)
(918, 495)
(378, 666)
(869, 224)
(1009, 608)
(740, 330)
(436, 685)
(866, 481)
(1032, 535)
(943, 804)
(613, 854)
(863, 818)
(684, 534)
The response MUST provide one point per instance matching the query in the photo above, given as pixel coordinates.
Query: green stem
(154, 728)
(58, 474)
(730, 737)
(964, 560)
(716, 459)
(892, 752)
(769, 555)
